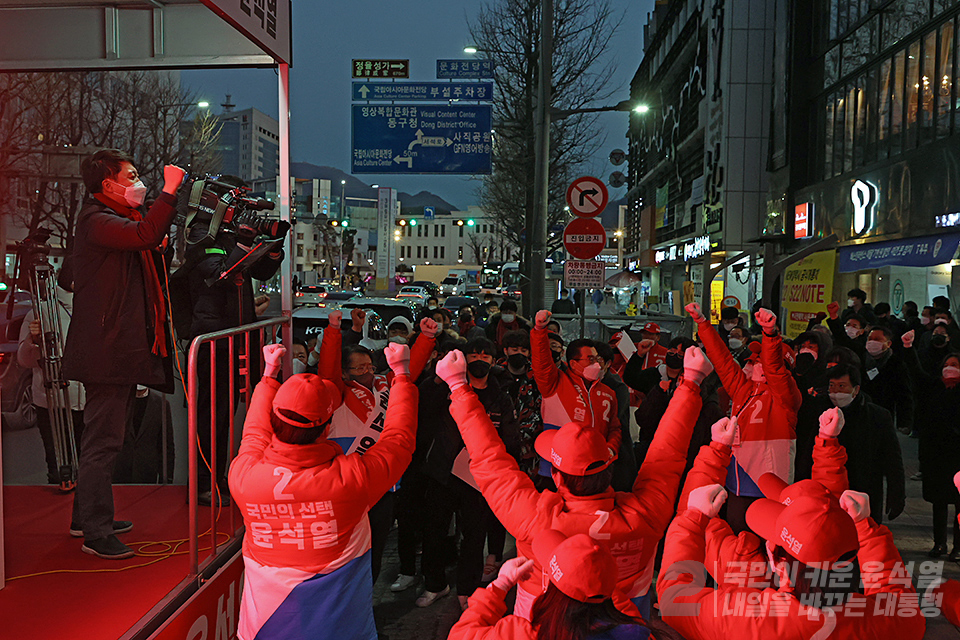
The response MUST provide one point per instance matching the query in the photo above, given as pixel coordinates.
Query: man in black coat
(117, 337)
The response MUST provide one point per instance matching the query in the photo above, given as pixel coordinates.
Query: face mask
(517, 361)
(729, 325)
(938, 340)
(852, 332)
(849, 302)
(674, 361)
(397, 340)
(805, 360)
(942, 321)
(735, 343)
(478, 368)
(593, 371)
(365, 379)
(465, 319)
(556, 355)
(508, 317)
(875, 347)
(841, 399)
(299, 366)
(924, 320)
(951, 373)
(132, 195)
(431, 306)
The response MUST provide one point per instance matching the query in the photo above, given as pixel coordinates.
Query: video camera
(215, 206)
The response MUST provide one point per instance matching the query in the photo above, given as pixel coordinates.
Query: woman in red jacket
(577, 604)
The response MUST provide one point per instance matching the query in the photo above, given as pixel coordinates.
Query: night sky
(328, 35)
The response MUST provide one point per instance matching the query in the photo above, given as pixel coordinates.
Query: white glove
(707, 500)
(543, 317)
(831, 422)
(452, 369)
(856, 504)
(696, 365)
(273, 359)
(429, 327)
(335, 318)
(513, 571)
(695, 312)
(908, 338)
(398, 357)
(766, 319)
(724, 430)
(172, 178)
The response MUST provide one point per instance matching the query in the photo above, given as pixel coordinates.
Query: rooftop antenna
(227, 104)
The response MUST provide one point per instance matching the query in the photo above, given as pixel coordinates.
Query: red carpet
(91, 605)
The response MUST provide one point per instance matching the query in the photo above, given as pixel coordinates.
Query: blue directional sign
(429, 213)
(464, 69)
(419, 138)
(435, 91)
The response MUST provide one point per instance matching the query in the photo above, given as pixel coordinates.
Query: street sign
(587, 196)
(617, 157)
(583, 274)
(464, 69)
(584, 238)
(435, 91)
(404, 138)
(617, 179)
(381, 68)
(266, 24)
(429, 213)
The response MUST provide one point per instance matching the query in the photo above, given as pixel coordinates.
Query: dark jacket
(866, 312)
(491, 328)
(937, 411)
(438, 438)
(873, 450)
(111, 332)
(625, 466)
(889, 384)
(563, 305)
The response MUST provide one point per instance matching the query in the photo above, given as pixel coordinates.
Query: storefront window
(886, 108)
(902, 18)
(838, 120)
(928, 84)
(831, 67)
(912, 96)
(851, 112)
(827, 138)
(945, 80)
(870, 148)
(896, 105)
(860, 126)
(939, 6)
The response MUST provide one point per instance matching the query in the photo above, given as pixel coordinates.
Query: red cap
(788, 355)
(651, 327)
(579, 566)
(308, 395)
(811, 528)
(775, 488)
(574, 449)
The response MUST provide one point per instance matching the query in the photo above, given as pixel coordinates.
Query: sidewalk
(398, 618)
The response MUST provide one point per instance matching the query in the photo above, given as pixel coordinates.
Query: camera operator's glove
(278, 229)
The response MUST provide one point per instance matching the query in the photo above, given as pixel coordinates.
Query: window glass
(886, 103)
(838, 119)
(828, 108)
(896, 105)
(870, 146)
(903, 17)
(860, 126)
(912, 96)
(850, 112)
(928, 85)
(939, 6)
(945, 79)
(831, 66)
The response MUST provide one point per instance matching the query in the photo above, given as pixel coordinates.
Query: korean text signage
(803, 220)
(927, 251)
(807, 290)
(264, 22)
(212, 612)
(689, 250)
(584, 238)
(404, 138)
(464, 69)
(386, 212)
(583, 274)
(435, 91)
(381, 68)
(587, 196)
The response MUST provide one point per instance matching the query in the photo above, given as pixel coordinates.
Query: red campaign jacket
(631, 523)
(314, 490)
(731, 611)
(766, 438)
(566, 397)
(950, 605)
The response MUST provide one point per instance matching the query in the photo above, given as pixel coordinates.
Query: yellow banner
(807, 290)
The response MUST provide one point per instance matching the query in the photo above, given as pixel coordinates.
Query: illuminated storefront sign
(948, 220)
(803, 220)
(864, 198)
(689, 250)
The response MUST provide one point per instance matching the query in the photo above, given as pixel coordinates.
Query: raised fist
(724, 431)
(429, 327)
(831, 422)
(908, 338)
(398, 357)
(644, 346)
(543, 317)
(856, 504)
(452, 369)
(358, 316)
(696, 366)
(172, 177)
(834, 310)
(513, 571)
(272, 359)
(335, 318)
(707, 500)
(695, 312)
(766, 319)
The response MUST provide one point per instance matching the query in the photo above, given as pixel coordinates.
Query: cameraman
(224, 304)
(118, 333)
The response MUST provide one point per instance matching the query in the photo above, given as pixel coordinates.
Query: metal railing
(230, 336)
(602, 327)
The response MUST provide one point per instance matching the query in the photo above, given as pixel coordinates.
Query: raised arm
(257, 430)
(329, 366)
(545, 370)
(710, 465)
(779, 378)
(122, 234)
(734, 380)
(829, 456)
(423, 347)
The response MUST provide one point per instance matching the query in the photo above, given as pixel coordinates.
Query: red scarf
(503, 327)
(151, 279)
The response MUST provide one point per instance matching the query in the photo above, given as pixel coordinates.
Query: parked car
(386, 308)
(311, 294)
(14, 380)
(453, 286)
(432, 288)
(453, 303)
(473, 289)
(336, 298)
(511, 292)
(310, 322)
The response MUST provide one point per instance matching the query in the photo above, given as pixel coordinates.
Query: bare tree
(508, 32)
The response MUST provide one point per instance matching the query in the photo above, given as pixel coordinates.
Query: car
(386, 308)
(311, 294)
(432, 289)
(453, 286)
(511, 292)
(14, 379)
(453, 303)
(338, 297)
(410, 290)
(310, 322)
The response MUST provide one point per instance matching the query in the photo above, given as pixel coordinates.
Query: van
(453, 285)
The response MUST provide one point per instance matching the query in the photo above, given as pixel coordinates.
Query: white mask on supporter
(508, 317)
(735, 343)
(592, 372)
(133, 194)
(299, 366)
(924, 320)
(849, 302)
(841, 399)
(875, 347)
(852, 332)
(951, 373)
(809, 350)
(729, 325)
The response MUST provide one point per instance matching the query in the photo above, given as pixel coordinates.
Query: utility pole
(537, 233)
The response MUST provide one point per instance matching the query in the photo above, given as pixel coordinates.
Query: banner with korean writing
(807, 290)
(926, 251)
(583, 274)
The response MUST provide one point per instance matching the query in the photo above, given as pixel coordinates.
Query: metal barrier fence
(602, 327)
(229, 336)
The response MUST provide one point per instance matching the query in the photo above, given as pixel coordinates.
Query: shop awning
(927, 251)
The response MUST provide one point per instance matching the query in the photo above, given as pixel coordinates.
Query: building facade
(249, 144)
(463, 237)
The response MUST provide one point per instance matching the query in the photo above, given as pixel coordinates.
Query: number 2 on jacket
(285, 476)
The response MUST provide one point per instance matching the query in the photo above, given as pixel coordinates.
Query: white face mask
(735, 343)
(592, 372)
(508, 317)
(132, 195)
(397, 340)
(875, 347)
(299, 366)
(841, 399)
(729, 325)
(431, 307)
(951, 373)
(924, 320)
(809, 350)
(852, 332)
(849, 302)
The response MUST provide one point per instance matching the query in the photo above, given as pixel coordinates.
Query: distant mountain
(356, 188)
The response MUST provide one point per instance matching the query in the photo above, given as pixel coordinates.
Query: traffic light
(345, 223)
(459, 223)
(413, 222)
(400, 221)
(471, 222)
(333, 223)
